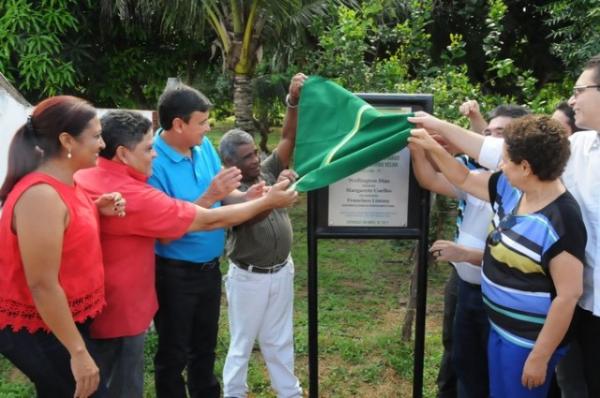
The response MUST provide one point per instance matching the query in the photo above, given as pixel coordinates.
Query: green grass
(363, 291)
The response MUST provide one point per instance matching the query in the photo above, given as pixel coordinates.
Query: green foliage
(62, 46)
(450, 86)
(344, 48)
(455, 53)
(269, 93)
(575, 33)
(217, 86)
(354, 49)
(380, 45)
(492, 43)
(132, 78)
(347, 55)
(32, 52)
(366, 48)
(503, 40)
(128, 65)
(502, 69)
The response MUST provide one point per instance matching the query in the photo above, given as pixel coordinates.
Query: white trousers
(261, 306)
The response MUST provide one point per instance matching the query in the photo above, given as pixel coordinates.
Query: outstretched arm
(467, 141)
(445, 250)
(427, 176)
(285, 148)
(227, 216)
(474, 183)
(286, 175)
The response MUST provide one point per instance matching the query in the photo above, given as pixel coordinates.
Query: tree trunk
(444, 214)
(242, 103)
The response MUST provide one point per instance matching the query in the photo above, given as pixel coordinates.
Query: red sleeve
(151, 213)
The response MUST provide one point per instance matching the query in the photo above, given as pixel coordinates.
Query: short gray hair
(230, 142)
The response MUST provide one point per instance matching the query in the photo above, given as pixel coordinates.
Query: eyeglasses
(580, 89)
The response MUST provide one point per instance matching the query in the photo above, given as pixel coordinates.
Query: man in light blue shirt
(187, 178)
(188, 278)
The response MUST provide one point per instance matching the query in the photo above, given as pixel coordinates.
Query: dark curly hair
(542, 142)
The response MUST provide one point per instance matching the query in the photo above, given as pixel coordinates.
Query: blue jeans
(121, 363)
(44, 360)
(506, 361)
(469, 354)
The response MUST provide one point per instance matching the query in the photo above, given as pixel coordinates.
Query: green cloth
(340, 134)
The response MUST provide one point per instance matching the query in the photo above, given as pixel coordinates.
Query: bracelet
(287, 102)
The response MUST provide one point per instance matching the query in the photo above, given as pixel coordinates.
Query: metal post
(313, 318)
(419, 349)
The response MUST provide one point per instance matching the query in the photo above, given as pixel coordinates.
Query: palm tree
(241, 28)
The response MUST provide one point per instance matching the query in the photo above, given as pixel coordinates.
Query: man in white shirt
(582, 179)
(463, 366)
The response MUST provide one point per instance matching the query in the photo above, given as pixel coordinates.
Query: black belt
(260, 270)
(169, 262)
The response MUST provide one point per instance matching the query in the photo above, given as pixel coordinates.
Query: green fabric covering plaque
(340, 134)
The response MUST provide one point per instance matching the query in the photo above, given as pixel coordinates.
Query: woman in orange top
(51, 274)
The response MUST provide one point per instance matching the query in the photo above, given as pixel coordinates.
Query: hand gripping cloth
(340, 134)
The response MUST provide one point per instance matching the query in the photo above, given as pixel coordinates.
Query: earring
(69, 154)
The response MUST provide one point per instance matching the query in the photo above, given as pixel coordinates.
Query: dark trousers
(187, 322)
(587, 334)
(570, 375)
(121, 363)
(44, 360)
(470, 342)
(446, 380)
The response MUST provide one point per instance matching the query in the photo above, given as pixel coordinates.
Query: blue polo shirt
(186, 178)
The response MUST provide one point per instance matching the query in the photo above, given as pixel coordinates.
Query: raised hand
(469, 108)
(426, 121)
(295, 87)
(224, 183)
(421, 138)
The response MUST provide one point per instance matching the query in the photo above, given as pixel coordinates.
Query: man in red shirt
(128, 242)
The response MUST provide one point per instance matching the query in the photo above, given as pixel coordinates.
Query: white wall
(12, 116)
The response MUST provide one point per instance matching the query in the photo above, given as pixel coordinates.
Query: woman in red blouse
(51, 274)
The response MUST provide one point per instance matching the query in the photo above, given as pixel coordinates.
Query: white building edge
(14, 109)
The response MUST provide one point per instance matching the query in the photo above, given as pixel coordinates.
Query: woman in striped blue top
(533, 261)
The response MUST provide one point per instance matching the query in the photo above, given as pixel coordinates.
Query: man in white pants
(260, 281)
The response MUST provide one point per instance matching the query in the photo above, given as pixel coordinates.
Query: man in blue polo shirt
(188, 279)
